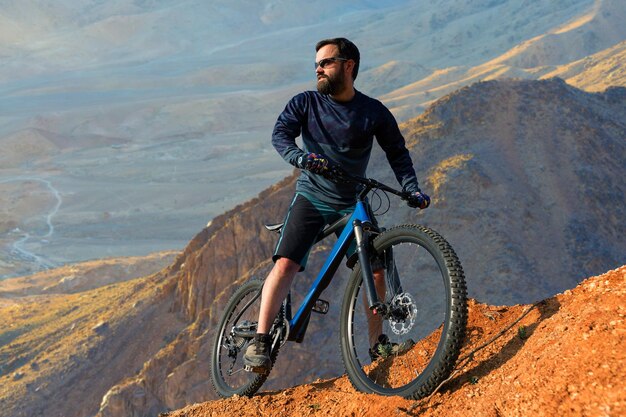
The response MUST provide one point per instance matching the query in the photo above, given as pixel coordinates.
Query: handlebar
(370, 184)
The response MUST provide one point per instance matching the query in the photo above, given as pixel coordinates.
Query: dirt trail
(565, 357)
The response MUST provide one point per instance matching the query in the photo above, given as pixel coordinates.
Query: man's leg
(375, 322)
(302, 225)
(275, 289)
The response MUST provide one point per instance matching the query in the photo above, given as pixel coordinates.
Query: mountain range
(144, 120)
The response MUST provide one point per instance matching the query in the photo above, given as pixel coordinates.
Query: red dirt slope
(564, 357)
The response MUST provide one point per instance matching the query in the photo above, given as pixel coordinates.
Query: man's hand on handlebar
(418, 200)
(314, 162)
(320, 164)
(337, 174)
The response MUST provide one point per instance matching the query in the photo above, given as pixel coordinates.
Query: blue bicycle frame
(353, 229)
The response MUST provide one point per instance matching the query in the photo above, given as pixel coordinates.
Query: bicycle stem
(369, 184)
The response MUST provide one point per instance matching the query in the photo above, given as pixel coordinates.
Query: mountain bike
(423, 310)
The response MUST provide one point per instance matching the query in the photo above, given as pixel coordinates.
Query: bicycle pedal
(256, 370)
(321, 306)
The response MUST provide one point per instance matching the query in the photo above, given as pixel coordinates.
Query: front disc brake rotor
(404, 313)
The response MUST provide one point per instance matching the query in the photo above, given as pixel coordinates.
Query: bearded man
(337, 124)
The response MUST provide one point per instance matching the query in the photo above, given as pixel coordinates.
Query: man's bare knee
(379, 274)
(285, 266)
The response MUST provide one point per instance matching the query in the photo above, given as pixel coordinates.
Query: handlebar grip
(418, 200)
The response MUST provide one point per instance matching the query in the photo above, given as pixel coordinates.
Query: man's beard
(331, 86)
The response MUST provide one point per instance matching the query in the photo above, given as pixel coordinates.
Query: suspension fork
(362, 236)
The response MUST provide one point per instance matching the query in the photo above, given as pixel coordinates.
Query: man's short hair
(347, 50)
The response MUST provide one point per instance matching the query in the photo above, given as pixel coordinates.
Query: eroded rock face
(226, 253)
(229, 248)
(168, 380)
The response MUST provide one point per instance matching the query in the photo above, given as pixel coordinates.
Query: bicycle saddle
(274, 227)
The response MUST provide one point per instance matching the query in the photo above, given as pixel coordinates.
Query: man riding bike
(337, 124)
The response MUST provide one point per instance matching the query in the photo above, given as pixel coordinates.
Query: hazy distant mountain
(165, 110)
(596, 72)
(596, 29)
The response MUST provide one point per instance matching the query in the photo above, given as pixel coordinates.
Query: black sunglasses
(324, 62)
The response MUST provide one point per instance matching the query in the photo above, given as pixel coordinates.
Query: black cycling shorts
(305, 219)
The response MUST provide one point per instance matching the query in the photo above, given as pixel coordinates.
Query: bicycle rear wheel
(235, 331)
(426, 296)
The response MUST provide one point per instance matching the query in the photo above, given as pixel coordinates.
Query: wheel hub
(403, 312)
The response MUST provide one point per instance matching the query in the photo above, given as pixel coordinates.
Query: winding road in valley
(18, 247)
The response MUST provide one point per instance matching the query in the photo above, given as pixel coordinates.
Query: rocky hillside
(562, 356)
(65, 338)
(527, 185)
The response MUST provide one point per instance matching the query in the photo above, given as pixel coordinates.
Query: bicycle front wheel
(235, 331)
(410, 349)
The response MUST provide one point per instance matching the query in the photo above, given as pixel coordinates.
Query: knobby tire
(431, 267)
(245, 383)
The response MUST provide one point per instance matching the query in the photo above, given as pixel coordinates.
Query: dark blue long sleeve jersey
(343, 132)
